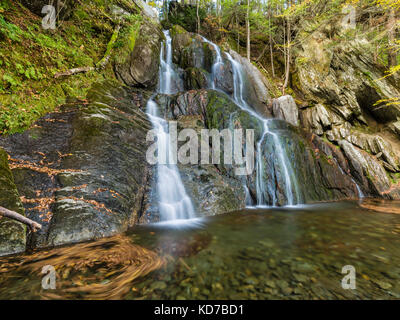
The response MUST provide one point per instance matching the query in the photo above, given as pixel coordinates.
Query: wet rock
(181, 39)
(211, 191)
(196, 79)
(139, 68)
(285, 108)
(12, 233)
(257, 80)
(193, 54)
(314, 172)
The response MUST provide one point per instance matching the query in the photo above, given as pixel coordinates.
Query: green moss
(127, 38)
(28, 89)
(177, 29)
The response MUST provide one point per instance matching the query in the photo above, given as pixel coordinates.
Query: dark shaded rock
(211, 188)
(314, 173)
(212, 192)
(12, 233)
(63, 8)
(83, 170)
(196, 79)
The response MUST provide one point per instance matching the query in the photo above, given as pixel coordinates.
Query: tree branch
(73, 71)
(34, 226)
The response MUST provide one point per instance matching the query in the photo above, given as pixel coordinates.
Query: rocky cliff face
(347, 102)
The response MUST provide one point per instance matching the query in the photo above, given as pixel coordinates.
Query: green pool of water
(287, 253)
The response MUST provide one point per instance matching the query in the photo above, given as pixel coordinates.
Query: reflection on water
(286, 253)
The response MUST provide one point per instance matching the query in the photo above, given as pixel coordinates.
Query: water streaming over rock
(292, 196)
(174, 202)
(218, 63)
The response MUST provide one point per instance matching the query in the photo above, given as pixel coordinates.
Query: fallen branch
(73, 71)
(34, 226)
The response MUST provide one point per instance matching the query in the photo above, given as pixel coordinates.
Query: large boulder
(82, 171)
(285, 108)
(139, 61)
(368, 172)
(12, 233)
(256, 78)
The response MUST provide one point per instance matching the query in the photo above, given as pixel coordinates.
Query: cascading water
(174, 202)
(218, 63)
(287, 170)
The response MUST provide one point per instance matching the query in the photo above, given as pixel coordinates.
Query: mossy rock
(137, 61)
(12, 233)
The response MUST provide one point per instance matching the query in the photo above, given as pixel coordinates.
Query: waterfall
(174, 202)
(287, 170)
(218, 63)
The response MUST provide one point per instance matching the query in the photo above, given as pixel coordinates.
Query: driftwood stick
(73, 71)
(34, 226)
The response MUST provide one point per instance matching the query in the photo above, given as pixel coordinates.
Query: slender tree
(248, 30)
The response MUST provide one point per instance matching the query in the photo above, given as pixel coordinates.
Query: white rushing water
(174, 202)
(217, 65)
(286, 169)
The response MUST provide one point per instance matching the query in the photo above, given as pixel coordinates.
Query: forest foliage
(268, 32)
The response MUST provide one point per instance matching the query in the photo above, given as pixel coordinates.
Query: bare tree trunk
(238, 34)
(391, 25)
(270, 42)
(198, 16)
(34, 226)
(248, 30)
(288, 36)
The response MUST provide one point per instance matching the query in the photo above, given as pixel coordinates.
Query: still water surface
(286, 253)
